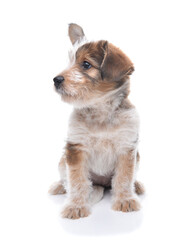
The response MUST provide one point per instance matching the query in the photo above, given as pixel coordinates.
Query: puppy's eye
(86, 65)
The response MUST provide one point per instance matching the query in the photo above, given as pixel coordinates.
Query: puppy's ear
(116, 65)
(75, 33)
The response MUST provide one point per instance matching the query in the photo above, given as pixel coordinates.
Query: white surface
(156, 35)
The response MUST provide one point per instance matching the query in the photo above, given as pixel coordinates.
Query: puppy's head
(96, 69)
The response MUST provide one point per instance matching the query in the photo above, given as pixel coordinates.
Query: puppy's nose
(58, 80)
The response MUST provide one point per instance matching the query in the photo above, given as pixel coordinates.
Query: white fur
(105, 129)
(76, 76)
(96, 194)
(73, 50)
(104, 146)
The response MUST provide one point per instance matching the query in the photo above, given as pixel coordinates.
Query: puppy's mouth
(64, 92)
(60, 90)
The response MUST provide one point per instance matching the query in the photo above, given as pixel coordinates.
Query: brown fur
(74, 155)
(75, 212)
(118, 63)
(102, 118)
(98, 79)
(138, 157)
(78, 178)
(124, 205)
(139, 188)
(121, 183)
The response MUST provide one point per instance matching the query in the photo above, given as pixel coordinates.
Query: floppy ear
(75, 33)
(116, 65)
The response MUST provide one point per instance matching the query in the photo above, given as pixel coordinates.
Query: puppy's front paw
(75, 212)
(127, 205)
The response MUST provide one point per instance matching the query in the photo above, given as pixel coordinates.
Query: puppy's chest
(102, 154)
(120, 132)
(104, 142)
(101, 139)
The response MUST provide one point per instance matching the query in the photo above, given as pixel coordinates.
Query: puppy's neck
(109, 103)
(104, 109)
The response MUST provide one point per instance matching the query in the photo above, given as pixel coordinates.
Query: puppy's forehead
(91, 50)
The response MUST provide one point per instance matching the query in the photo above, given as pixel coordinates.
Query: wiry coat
(102, 142)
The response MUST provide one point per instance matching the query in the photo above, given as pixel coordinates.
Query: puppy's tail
(96, 195)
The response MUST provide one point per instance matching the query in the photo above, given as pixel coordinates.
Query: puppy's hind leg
(59, 187)
(139, 188)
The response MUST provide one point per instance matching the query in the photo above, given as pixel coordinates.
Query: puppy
(102, 143)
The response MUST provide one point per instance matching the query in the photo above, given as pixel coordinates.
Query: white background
(157, 36)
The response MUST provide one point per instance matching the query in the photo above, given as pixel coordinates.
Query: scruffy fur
(102, 144)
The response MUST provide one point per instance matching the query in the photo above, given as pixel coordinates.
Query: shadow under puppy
(102, 142)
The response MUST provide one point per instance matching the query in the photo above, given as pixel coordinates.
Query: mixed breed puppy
(102, 143)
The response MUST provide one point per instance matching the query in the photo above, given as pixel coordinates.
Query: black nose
(58, 80)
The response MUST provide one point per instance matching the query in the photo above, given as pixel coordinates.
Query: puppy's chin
(92, 99)
(75, 101)
(62, 92)
(70, 98)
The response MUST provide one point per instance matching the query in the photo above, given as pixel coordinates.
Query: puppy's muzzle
(58, 81)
